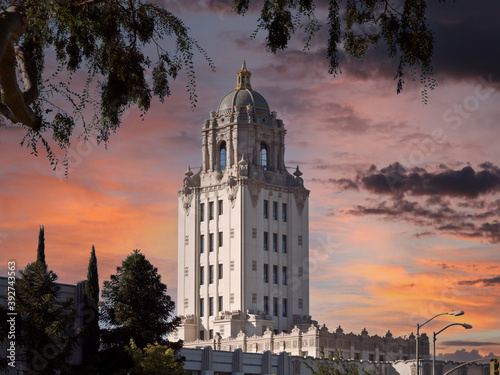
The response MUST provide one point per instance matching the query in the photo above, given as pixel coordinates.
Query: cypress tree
(40, 252)
(45, 321)
(91, 315)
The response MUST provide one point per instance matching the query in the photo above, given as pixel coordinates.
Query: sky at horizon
(404, 205)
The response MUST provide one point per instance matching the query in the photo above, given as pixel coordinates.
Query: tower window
(275, 306)
(266, 305)
(284, 307)
(202, 211)
(223, 156)
(202, 307)
(275, 274)
(283, 276)
(211, 274)
(211, 208)
(275, 210)
(266, 277)
(202, 243)
(211, 334)
(202, 275)
(221, 237)
(265, 241)
(263, 156)
(266, 208)
(221, 306)
(283, 212)
(211, 242)
(211, 306)
(221, 269)
(275, 242)
(221, 207)
(283, 244)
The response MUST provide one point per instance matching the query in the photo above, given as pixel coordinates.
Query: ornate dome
(242, 98)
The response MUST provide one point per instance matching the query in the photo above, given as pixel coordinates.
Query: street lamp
(434, 334)
(454, 312)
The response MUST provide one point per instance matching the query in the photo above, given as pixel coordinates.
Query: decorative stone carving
(300, 195)
(187, 194)
(232, 190)
(254, 188)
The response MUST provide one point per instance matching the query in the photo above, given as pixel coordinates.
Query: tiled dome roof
(241, 98)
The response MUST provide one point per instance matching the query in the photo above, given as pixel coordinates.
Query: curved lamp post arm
(465, 325)
(434, 334)
(454, 312)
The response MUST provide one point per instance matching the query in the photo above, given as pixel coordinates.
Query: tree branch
(12, 26)
(31, 92)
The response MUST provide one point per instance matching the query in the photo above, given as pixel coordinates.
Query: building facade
(243, 245)
(312, 341)
(242, 227)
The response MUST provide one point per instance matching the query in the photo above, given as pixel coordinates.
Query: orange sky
(387, 270)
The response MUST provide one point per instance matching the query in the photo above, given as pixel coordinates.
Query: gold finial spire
(243, 78)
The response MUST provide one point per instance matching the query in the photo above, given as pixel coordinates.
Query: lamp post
(454, 312)
(434, 334)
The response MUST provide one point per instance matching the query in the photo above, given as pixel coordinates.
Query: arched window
(263, 156)
(223, 156)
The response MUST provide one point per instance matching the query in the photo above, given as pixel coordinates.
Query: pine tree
(136, 305)
(40, 252)
(91, 314)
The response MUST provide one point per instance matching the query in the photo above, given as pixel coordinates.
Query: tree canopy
(354, 26)
(102, 65)
(135, 304)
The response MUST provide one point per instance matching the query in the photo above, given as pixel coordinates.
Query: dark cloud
(442, 217)
(466, 182)
(465, 35)
(494, 281)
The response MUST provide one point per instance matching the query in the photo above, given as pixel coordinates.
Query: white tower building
(243, 226)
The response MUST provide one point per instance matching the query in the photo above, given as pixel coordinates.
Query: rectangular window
(211, 306)
(275, 210)
(221, 269)
(275, 242)
(283, 244)
(220, 207)
(266, 240)
(283, 275)
(211, 209)
(266, 305)
(283, 211)
(275, 274)
(202, 243)
(202, 275)
(221, 306)
(211, 274)
(211, 242)
(202, 306)
(266, 277)
(202, 211)
(221, 237)
(284, 307)
(211, 334)
(266, 209)
(202, 334)
(275, 306)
